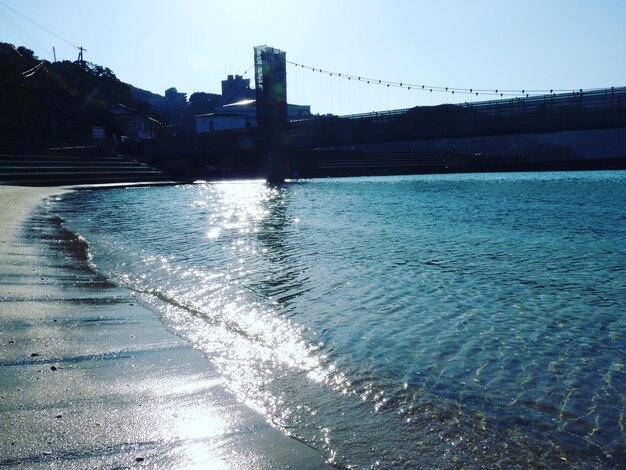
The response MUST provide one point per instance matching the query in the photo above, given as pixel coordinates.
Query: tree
(203, 103)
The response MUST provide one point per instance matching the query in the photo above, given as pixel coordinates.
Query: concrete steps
(51, 169)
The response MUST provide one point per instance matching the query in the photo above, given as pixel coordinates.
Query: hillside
(44, 101)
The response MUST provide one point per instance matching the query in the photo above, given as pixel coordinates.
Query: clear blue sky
(193, 44)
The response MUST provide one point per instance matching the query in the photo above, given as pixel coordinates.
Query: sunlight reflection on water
(250, 343)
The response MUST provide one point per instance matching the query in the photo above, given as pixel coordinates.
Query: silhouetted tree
(203, 103)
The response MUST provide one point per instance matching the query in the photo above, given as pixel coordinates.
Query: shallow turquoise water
(424, 321)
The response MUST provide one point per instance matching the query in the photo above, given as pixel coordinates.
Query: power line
(15, 31)
(39, 25)
(80, 48)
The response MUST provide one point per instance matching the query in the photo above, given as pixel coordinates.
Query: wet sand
(89, 378)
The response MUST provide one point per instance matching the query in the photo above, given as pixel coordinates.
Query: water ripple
(430, 321)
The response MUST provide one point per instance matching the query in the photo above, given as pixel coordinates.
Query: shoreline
(91, 378)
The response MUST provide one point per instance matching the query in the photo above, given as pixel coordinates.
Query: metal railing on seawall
(593, 109)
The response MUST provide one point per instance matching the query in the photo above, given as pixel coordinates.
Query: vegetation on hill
(42, 101)
(60, 101)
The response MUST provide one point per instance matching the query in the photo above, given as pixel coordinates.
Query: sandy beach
(89, 378)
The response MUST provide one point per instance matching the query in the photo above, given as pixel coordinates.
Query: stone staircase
(57, 169)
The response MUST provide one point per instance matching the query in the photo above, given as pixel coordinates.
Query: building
(231, 116)
(133, 124)
(236, 88)
(173, 102)
(175, 98)
(242, 114)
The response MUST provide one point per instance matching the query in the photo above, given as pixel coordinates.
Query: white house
(242, 114)
(230, 116)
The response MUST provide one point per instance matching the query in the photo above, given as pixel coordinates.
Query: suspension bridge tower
(270, 72)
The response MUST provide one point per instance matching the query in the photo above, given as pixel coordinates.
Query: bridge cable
(440, 89)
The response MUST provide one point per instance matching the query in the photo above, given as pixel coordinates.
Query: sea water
(439, 321)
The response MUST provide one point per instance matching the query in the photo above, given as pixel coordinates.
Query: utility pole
(54, 53)
(80, 54)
